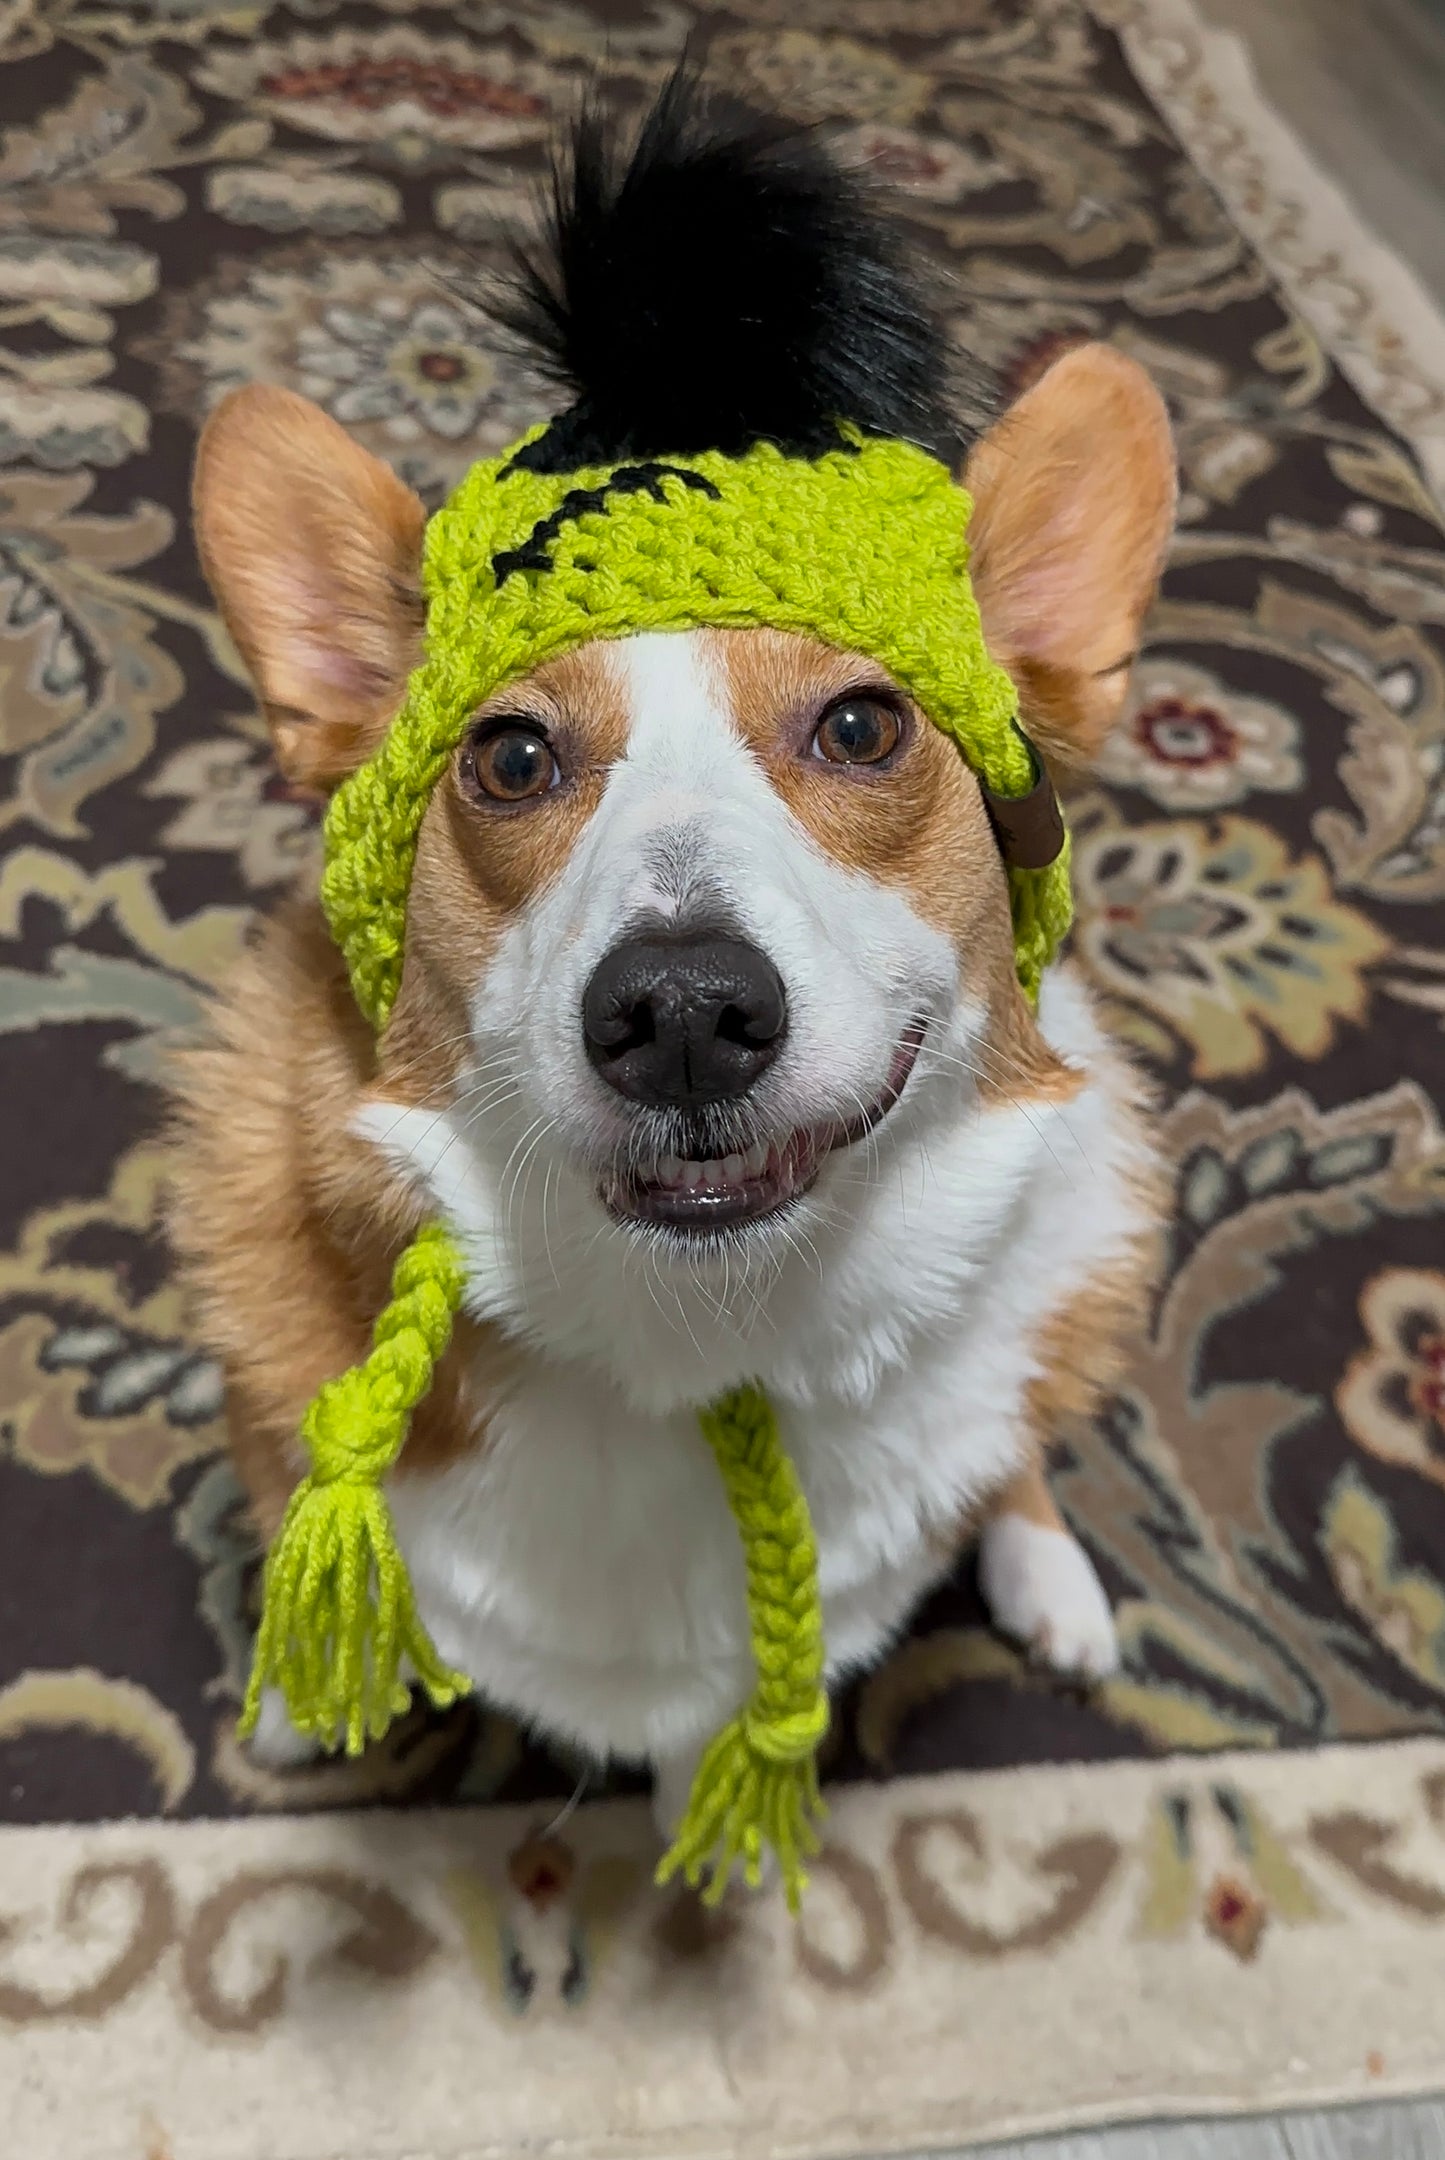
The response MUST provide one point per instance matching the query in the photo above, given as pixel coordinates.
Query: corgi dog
(709, 1030)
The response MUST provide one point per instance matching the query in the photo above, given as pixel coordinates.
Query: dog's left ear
(1073, 492)
(313, 549)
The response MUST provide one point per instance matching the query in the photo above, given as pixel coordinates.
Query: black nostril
(736, 1026)
(684, 1020)
(619, 1027)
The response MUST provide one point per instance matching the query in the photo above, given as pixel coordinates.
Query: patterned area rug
(1220, 1879)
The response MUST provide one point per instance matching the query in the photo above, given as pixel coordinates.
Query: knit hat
(789, 488)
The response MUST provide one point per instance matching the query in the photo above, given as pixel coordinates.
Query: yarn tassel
(1041, 903)
(339, 1615)
(756, 1787)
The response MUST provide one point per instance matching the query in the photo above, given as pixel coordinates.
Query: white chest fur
(583, 1567)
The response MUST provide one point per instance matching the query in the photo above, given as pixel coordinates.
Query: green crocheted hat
(809, 512)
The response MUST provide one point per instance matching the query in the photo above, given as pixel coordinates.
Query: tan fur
(313, 550)
(475, 868)
(1081, 1356)
(1081, 1349)
(1074, 495)
(919, 826)
(287, 1226)
(1027, 1495)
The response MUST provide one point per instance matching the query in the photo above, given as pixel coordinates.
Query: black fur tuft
(729, 284)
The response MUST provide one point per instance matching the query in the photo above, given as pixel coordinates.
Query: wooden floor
(1362, 83)
(1408, 2130)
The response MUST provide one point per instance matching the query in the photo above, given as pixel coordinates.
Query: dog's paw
(1041, 1590)
(276, 1744)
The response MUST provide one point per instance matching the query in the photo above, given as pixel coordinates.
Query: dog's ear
(1073, 493)
(313, 550)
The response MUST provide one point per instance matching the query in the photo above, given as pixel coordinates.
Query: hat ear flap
(313, 550)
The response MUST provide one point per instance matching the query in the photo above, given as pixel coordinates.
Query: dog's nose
(684, 1020)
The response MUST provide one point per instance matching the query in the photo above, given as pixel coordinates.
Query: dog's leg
(276, 1744)
(1039, 1583)
(672, 1777)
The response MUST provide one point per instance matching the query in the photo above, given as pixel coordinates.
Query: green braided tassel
(757, 1784)
(339, 1614)
(1041, 903)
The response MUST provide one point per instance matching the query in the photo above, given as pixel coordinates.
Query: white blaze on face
(691, 829)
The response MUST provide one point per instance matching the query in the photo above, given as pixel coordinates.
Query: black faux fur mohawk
(729, 284)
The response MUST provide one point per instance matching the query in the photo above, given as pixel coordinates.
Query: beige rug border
(1366, 306)
(981, 1955)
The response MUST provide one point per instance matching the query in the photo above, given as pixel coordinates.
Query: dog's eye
(857, 731)
(509, 761)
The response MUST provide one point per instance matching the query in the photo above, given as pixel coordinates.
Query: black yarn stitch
(535, 551)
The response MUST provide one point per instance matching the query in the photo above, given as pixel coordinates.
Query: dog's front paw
(276, 1744)
(1041, 1589)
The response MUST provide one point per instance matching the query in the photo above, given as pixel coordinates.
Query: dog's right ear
(313, 550)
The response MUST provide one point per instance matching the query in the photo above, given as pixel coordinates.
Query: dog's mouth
(699, 1196)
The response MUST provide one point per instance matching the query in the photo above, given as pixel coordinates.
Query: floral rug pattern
(207, 192)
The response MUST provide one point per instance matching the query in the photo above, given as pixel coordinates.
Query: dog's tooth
(732, 1170)
(756, 1159)
(693, 1174)
(669, 1170)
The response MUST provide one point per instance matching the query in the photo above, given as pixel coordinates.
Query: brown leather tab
(1029, 828)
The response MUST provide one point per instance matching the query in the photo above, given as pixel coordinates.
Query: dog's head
(701, 918)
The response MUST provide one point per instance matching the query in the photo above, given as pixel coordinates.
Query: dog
(709, 1031)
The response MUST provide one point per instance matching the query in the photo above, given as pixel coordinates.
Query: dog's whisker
(1027, 1111)
(686, 1318)
(517, 1162)
(528, 1165)
(554, 1167)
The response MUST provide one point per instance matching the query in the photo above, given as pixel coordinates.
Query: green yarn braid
(757, 1784)
(339, 1614)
